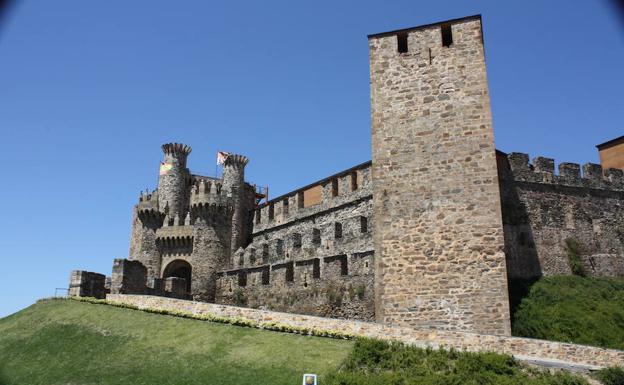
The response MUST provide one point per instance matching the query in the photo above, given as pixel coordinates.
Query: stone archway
(181, 269)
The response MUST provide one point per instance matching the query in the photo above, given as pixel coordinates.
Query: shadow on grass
(3, 379)
(518, 289)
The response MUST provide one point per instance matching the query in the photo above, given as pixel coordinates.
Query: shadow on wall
(523, 265)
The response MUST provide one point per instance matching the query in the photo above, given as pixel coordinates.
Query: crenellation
(593, 174)
(570, 172)
(544, 166)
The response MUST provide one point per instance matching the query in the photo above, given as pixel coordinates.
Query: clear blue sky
(89, 90)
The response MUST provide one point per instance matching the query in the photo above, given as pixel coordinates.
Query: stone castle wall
(542, 209)
(313, 257)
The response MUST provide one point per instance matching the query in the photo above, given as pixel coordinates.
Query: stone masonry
(423, 238)
(437, 212)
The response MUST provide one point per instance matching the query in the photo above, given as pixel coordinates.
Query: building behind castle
(427, 235)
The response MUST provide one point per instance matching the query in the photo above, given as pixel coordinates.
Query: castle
(427, 235)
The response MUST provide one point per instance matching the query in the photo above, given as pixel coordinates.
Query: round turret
(172, 197)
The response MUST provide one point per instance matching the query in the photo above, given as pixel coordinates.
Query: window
(258, 216)
(334, 187)
(296, 239)
(402, 42)
(285, 206)
(290, 272)
(363, 224)
(447, 35)
(354, 184)
(300, 200)
(316, 236)
(242, 279)
(271, 211)
(337, 230)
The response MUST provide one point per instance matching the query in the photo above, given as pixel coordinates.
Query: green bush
(374, 362)
(239, 298)
(611, 376)
(574, 259)
(573, 309)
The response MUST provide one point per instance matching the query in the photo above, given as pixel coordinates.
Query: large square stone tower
(438, 231)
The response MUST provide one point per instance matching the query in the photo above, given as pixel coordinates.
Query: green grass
(70, 342)
(574, 309)
(381, 363)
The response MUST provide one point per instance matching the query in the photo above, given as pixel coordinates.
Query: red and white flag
(221, 157)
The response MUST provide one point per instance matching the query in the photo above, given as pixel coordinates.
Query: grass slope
(71, 342)
(68, 342)
(573, 309)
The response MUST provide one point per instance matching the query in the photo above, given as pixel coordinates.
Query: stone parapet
(524, 349)
(542, 170)
(332, 193)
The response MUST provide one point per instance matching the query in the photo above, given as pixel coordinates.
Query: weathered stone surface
(542, 210)
(87, 284)
(437, 220)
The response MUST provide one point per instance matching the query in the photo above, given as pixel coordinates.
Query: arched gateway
(181, 269)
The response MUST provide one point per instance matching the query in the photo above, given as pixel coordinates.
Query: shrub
(375, 362)
(573, 309)
(239, 298)
(574, 259)
(611, 376)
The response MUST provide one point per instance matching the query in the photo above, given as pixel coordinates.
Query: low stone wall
(522, 348)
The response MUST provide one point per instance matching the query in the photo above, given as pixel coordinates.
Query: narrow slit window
(447, 35)
(271, 211)
(402, 42)
(337, 230)
(354, 184)
(334, 188)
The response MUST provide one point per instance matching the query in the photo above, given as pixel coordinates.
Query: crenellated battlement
(176, 149)
(542, 170)
(236, 159)
(209, 192)
(147, 209)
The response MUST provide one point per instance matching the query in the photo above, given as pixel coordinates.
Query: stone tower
(234, 185)
(172, 182)
(438, 231)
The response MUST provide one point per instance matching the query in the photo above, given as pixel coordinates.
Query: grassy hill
(573, 309)
(71, 342)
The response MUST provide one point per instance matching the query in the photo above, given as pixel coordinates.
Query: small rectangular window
(290, 272)
(258, 216)
(285, 206)
(354, 181)
(271, 211)
(363, 224)
(337, 230)
(296, 240)
(402, 42)
(316, 236)
(242, 279)
(447, 35)
(334, 187)
(266, 279)
(300, 200)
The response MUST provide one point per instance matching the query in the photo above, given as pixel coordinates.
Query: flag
(221, 157)
(164, 167)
